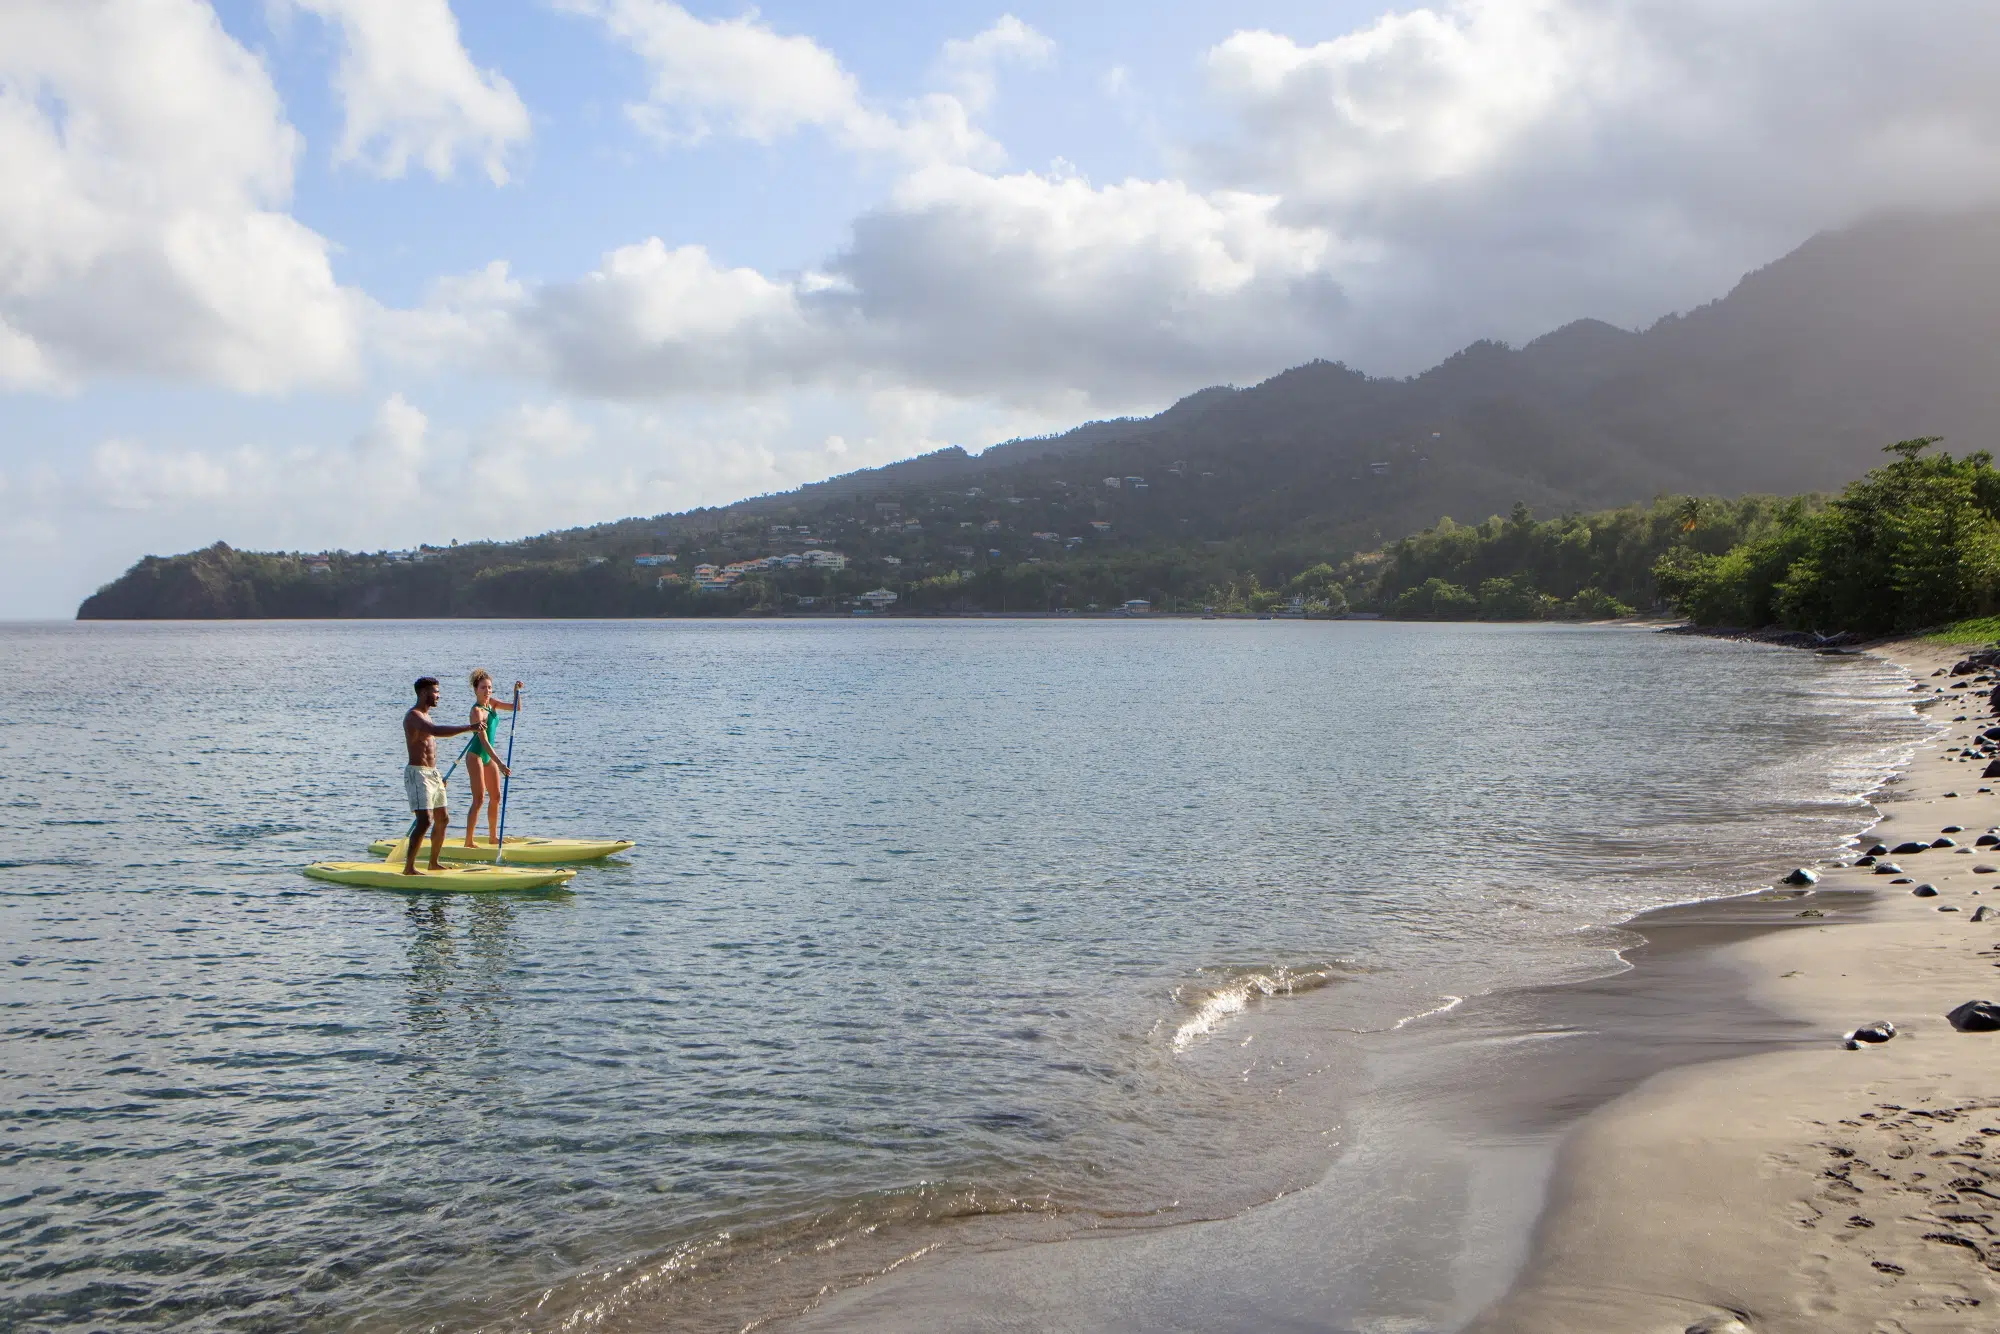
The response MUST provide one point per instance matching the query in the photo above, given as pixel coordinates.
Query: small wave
(1215, 1006)
(1450, 1003)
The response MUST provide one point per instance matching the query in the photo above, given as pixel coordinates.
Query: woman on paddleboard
(482, 761)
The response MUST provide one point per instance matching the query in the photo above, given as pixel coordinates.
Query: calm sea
(927, 923)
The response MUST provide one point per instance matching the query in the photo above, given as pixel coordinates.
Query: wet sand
(1817, 1190)
(1425, 1215)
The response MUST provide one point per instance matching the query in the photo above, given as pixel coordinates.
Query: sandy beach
(1819, 1190)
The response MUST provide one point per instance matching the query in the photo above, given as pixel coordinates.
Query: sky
(312, 274)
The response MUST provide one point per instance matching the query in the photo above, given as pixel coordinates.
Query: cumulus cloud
(742, 77)
(1517, 163)
(411, 92)
(652, 321)
(972, 64)
(146, 160)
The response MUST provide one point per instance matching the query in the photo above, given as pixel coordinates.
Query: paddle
(500, 844)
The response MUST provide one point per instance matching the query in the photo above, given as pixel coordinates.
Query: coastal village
(1124, 544)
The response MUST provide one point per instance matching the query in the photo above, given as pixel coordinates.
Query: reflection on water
(927, 922)
(459, 1000)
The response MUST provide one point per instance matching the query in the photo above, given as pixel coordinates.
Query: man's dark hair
(423, 681)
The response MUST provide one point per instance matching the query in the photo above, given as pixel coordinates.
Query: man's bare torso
(420, 738)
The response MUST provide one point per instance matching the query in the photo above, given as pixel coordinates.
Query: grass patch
(1977, 630)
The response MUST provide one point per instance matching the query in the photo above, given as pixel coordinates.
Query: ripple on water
(933, 929)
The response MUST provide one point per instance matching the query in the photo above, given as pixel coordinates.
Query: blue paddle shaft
(500, 846)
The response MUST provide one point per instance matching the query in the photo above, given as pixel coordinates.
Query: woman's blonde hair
(481, 675)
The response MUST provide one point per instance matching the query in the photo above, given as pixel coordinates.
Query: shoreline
(1462, 1130)
(1818, 1190)
(1471, 1125)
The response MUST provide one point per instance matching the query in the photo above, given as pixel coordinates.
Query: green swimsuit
(482, 746)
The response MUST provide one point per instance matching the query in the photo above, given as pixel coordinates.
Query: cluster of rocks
(1976, 1016)
(1983, 660)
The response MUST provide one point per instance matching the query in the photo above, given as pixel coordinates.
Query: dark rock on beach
(1943, 843)
(1976, 1016)
(1879, 1031)
(1718, 1324)
(1925, 891)
(1801, 876)
(1878, 850)
(1987, 840)
(1887, 868)
(1982, 912)
(1905, 849)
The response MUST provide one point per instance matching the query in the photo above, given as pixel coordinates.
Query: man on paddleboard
(420, 777)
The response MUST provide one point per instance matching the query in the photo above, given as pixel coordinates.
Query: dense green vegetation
(1913, 543)
(1584, 566)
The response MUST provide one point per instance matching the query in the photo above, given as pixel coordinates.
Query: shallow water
(926, 921)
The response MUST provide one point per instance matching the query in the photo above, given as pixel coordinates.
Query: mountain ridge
(1790, 382)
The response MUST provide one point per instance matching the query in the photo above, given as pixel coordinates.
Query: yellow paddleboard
(389, 875)
(522, 849)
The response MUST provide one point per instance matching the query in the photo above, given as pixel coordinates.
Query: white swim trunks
(423, 787)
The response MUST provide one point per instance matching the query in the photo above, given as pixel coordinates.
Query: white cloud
(411, 91)
(652, 321)
(742, 77)
(1032, 284)
(1514, 164)
(146, 160)
(972, 64)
